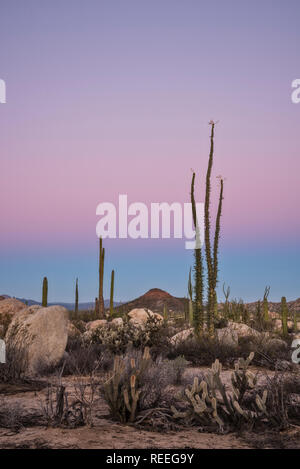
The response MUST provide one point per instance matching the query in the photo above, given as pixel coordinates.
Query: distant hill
(293, 306)
(155, 300)
(69, 306)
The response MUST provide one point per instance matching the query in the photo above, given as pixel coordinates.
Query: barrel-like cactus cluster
(210, 403)
(121, 390)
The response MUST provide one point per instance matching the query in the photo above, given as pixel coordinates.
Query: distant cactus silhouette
(45, 292)
(265, 304)
(226, 306)
(76, 297)
(101, 275)
(96, 307)
(284, 315)
(111, 304)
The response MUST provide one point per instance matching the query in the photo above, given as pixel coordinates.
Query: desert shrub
(10, 415)
(80, 325)
(83, 359)
(158, 376)
(13, 370)
(283, 403)
(266, 354)
(117, 338)
(272, 439)
(203, 350)
(138, 383)
(13, 416)
(61, 410)
(5, 320)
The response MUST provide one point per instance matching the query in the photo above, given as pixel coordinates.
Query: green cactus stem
(45, 292)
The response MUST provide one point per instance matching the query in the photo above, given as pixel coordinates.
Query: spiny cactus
(226, 304)
(190, 291)
(245, 315)
(101, 275)
(122, 393)
(211, 252)
(96, 307)
(198, 313)
(216, 309)
(284, 315)
(111, 303)
(295, 325)
(265, 304)
(45, 292)
(76, 297)
(211, 404)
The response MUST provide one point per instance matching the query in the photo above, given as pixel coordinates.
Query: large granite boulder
(38, 336)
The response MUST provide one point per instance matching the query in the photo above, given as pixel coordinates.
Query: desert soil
(105, 434)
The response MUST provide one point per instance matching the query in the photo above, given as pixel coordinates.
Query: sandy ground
(106, 434)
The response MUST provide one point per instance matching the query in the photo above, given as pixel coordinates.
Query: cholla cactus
(209, 402)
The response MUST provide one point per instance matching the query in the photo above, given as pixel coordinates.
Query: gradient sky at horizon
(112, 97)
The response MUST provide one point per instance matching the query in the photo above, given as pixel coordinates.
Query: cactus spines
(265, 304)
(45, 292)
(190, 291)
(111, 302)
(226, 304)
(96, 307)
(295, 325)
(198, 313)
(210, 251)
(211, 403)
(284, 315)
(101, 275)
(76, 297)
(122, 393)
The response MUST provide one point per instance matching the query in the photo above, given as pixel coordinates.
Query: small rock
(92, 325)
(117, 321)
(182, 336)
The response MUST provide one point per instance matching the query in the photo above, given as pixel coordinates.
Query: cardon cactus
(45, 292)
(101, 313)
(112, 285)
(76, 297)
(265, 304)
(284, 315)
